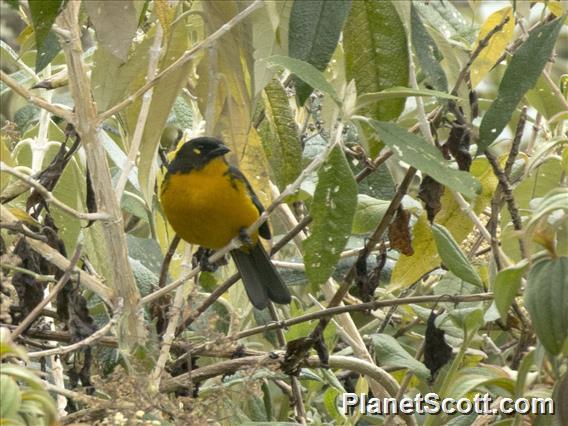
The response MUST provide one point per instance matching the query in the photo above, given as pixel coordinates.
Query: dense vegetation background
(412, 157)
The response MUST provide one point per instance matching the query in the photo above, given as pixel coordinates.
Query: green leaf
(453, 257)
(11, 397)
(389, 352)
(330, 397)
(376, 53)
(546, 299)
(115, 24)
(22, 374)
(425, 157)
(112, 79)
(43, 15)
(47, 52)
(369, 212)
(447, 19)
(333, 207)
(428, 54)
(308, 73)
(313, 34)
(401, 92)
(506, 287)
(521, 74)
(280, 136)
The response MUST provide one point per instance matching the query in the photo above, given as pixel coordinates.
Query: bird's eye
(197, 151)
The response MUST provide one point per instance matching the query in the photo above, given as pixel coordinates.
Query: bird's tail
(262, 281)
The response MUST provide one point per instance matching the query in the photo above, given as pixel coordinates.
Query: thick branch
(120, 276)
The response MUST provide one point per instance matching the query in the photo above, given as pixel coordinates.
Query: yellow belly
(207, 208)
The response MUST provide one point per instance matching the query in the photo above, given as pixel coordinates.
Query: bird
(208, 202)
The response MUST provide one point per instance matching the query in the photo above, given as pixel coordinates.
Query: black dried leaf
(367, 282)
(296, 353)
(52, 173)
(436, 351)
(91, 201)
(431, 193)
(458, 144)
(29, 290)
(321, 349)
(400, 237)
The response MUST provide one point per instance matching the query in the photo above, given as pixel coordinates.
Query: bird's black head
(197, 153)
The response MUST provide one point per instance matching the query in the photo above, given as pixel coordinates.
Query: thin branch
(54, 291)
(368, 306)
(16, 87)
(371, 243)
(130, 161)
(480, 46)
(49, 197)
(209, 41)
(85, 342)
(300, 409)
(508, 196)
(35, 275)
(174, 313)
(514, 151)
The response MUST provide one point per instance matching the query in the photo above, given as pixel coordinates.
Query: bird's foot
(201, 258)
(245, 238)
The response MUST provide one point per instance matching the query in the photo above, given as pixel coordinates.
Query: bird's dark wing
(264, 230)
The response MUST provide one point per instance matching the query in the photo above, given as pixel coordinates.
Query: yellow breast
(206, 206)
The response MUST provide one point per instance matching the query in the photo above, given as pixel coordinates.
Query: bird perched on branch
(208, 202)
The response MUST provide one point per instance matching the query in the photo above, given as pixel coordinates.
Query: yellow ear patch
(197, 151)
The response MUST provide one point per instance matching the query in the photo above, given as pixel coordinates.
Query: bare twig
(60, 284)
(130, 161)
(85, 342)
(508, 196)
(209, 41)
(296, 387)
(275, 359)
(35, 275)
(331, 311)
(514, 151)
(480, 46)
(49, 197)
(174, 313)
(16, 87)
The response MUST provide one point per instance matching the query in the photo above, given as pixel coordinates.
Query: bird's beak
(221, 150)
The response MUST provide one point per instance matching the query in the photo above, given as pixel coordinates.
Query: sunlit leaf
(409, 269)
(497, 44)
